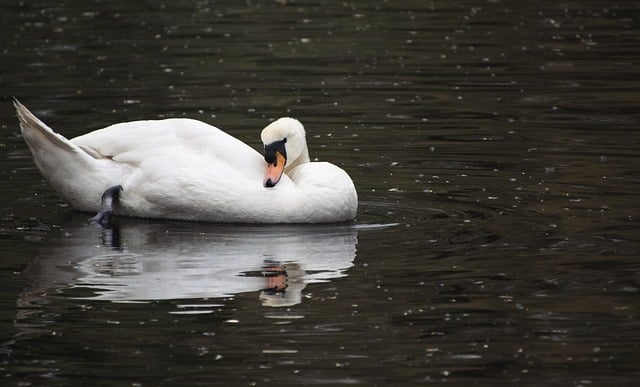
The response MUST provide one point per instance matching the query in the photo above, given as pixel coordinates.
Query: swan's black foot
(109, 198)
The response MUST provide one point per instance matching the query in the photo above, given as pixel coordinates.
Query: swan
(180, 168)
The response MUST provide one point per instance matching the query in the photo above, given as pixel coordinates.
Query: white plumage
(186, 169)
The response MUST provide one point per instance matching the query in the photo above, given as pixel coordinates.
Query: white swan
(186, 169)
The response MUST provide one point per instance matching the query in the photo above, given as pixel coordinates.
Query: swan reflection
(145, 261)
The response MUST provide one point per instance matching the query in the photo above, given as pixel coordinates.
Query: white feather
(187, 169)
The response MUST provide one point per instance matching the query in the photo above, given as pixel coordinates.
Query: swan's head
(284, 148)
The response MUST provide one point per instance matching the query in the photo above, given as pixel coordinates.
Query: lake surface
(496, 152)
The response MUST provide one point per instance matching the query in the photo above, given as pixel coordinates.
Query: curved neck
(302, 159)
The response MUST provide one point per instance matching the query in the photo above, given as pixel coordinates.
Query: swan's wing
(138, 141)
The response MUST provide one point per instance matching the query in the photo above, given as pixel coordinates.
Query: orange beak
(275, 170)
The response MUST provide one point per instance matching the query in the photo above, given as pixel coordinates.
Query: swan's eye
(271, 149)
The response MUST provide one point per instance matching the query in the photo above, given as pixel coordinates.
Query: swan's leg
(109, 198)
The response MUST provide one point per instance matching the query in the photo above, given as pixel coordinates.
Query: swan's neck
(302, 159)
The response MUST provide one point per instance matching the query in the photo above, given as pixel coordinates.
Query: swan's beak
(275, 170)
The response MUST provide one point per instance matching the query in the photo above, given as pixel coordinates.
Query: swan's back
(137, 141)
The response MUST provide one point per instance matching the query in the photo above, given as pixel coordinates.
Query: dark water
(494, 145)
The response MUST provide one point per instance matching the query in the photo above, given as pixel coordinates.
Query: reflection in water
(142, 261)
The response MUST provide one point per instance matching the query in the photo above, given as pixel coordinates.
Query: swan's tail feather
(37, 133)
(67, 167)
(50, 150)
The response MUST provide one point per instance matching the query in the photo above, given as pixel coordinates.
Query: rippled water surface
(494, 145)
